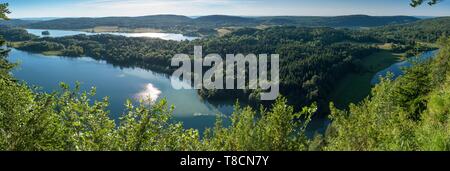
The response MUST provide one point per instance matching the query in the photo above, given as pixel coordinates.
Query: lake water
(62, 33)
(119, 84)
(397, 68)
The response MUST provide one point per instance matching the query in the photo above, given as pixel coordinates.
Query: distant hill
(175, 20)
(154, 21)
(339, 21)
(367, 21)
(224, 19)
(39, 18)
(208, 25)
(427, 30)
(17, 22)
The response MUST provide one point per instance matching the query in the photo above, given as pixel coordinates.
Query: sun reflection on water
(150, 93)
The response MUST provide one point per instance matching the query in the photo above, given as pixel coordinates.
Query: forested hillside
(349, 21)
(208, 25)
(157, 21)
(428, 30)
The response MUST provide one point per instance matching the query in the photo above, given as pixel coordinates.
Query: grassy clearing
(15, 44)
(103, 29)
(46, 53)
(223, 31)
(355, 87)
(52, 53)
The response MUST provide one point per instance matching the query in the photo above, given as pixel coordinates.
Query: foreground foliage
(411, 113)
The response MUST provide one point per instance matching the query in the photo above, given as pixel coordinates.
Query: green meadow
(354, 87)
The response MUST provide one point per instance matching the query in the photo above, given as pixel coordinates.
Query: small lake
(119, 84)
(62, 33)
(397, 68)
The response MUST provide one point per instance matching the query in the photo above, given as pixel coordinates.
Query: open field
(14, 44)
(103, 29)
(223, 31)
(355, 87)
(52, 53)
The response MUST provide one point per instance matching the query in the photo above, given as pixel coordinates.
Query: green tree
(4, 11)
(416, 3)
(277, 129)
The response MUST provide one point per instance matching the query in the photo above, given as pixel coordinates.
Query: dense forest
(410, 113)
(428, 30)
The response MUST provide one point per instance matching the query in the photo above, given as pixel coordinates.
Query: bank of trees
(429, 30)
(15, 34)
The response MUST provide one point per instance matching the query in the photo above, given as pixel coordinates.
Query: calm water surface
(62, 33)
(397, 68)
(119, 84)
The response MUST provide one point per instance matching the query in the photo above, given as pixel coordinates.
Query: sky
(102, 8)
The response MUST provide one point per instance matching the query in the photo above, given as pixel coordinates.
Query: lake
(62, 33)
(397, 68)
(119, 84)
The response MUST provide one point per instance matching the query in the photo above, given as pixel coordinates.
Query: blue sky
(99, 8)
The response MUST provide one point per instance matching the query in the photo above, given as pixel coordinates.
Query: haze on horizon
(102, 8)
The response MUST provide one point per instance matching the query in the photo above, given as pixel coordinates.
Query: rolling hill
(339, 21)
(427, 30)
(213, 21)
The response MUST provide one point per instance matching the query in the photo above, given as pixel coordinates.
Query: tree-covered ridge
(428, 30)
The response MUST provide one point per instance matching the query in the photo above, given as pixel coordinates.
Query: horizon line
(245, 16)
